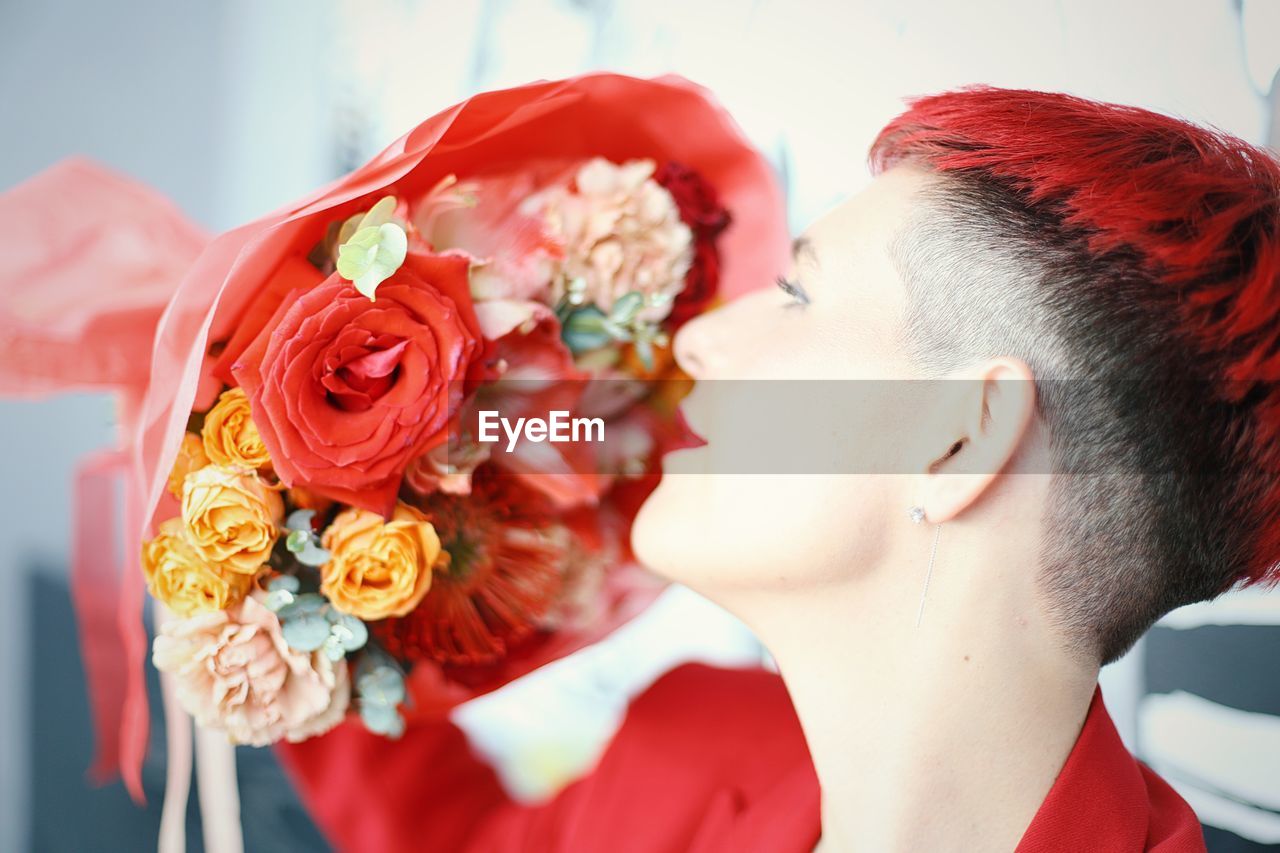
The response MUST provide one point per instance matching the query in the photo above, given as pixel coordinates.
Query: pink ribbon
(106, 589)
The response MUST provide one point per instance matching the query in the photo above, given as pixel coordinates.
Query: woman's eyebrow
(802, 246)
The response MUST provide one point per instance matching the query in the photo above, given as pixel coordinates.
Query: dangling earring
(917, 515)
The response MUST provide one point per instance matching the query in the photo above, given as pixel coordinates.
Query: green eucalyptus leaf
(277, 599)
(381, 685)
(644, 350)
(303, 605)
(382, 719)
(589, 319)
(626, 307)
(306, 632)
(300, 519)
(659, 298)
(312, 555)
(349, 631)
(616, 332)
(285, 583)
(297, 541)
(585, 330)
(578, 342)
(332, 649)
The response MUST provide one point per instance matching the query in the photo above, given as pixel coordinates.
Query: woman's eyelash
(792, 289)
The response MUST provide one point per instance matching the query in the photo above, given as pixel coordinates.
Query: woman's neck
(942, 737)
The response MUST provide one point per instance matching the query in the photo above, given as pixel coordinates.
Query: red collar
(708, 760)
(1105, 800)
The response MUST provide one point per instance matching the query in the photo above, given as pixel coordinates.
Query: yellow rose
(232, 518)
(378, 569)
(230, 436)
(181, 581)
(191, 456)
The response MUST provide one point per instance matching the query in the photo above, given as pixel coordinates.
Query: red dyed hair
(1197, 208)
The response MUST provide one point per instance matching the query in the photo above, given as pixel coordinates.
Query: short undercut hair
(1137, 256)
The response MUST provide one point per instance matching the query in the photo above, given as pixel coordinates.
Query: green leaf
(585, 330)
(306, 632)
(372, 255)
(297, 541)
(288, 583)
(383, 211)
(303, 605)
(618, 333)
(381, 685)
(626, 307)
(278, 599)
(332, 649)
(349, 631)
(644, 349)
(382, 719)
(659, 298)
(300, 519)
(313, 555)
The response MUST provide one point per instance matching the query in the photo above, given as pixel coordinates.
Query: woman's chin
(659, 528)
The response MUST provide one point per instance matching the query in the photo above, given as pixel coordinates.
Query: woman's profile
(1091, 292)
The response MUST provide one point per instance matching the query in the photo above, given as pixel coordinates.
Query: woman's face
(783, 492)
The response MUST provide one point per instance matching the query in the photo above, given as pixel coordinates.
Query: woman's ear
(982, 419)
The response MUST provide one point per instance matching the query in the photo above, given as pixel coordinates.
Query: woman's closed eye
(794, 290)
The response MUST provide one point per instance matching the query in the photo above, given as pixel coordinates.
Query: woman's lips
(685, 435)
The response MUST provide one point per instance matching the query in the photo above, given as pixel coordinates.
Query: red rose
(700, 283)
(345, 391)
(696, 199)
(701, 210)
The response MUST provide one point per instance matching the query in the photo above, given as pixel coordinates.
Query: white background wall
(236, 107)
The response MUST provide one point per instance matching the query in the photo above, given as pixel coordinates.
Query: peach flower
(235, 673)
(179, 579)
(232, 517)
(378, 569)
(191, 457)
(230, 437)
(622, 232)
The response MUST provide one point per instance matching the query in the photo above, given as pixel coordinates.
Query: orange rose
(232, 517)
(230, 437)
(191, 457)
(379, 569)
(179, 579)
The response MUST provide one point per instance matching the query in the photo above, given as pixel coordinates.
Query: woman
(940, 568)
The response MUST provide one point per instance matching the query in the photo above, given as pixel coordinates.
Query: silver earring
(917, 516)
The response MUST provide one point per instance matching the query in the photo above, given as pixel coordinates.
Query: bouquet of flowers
(323, 500)
(341, 521)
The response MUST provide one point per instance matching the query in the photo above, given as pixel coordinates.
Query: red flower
(701, 210)
(507, 559)
(535, 376)
(345, 391)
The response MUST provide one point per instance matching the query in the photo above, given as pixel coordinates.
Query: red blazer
(707, 759)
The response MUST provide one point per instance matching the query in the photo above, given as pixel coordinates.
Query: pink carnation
(235, 672)
(621, 231)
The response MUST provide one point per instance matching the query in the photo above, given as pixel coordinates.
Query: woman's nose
(689, 347)
(709, 346)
